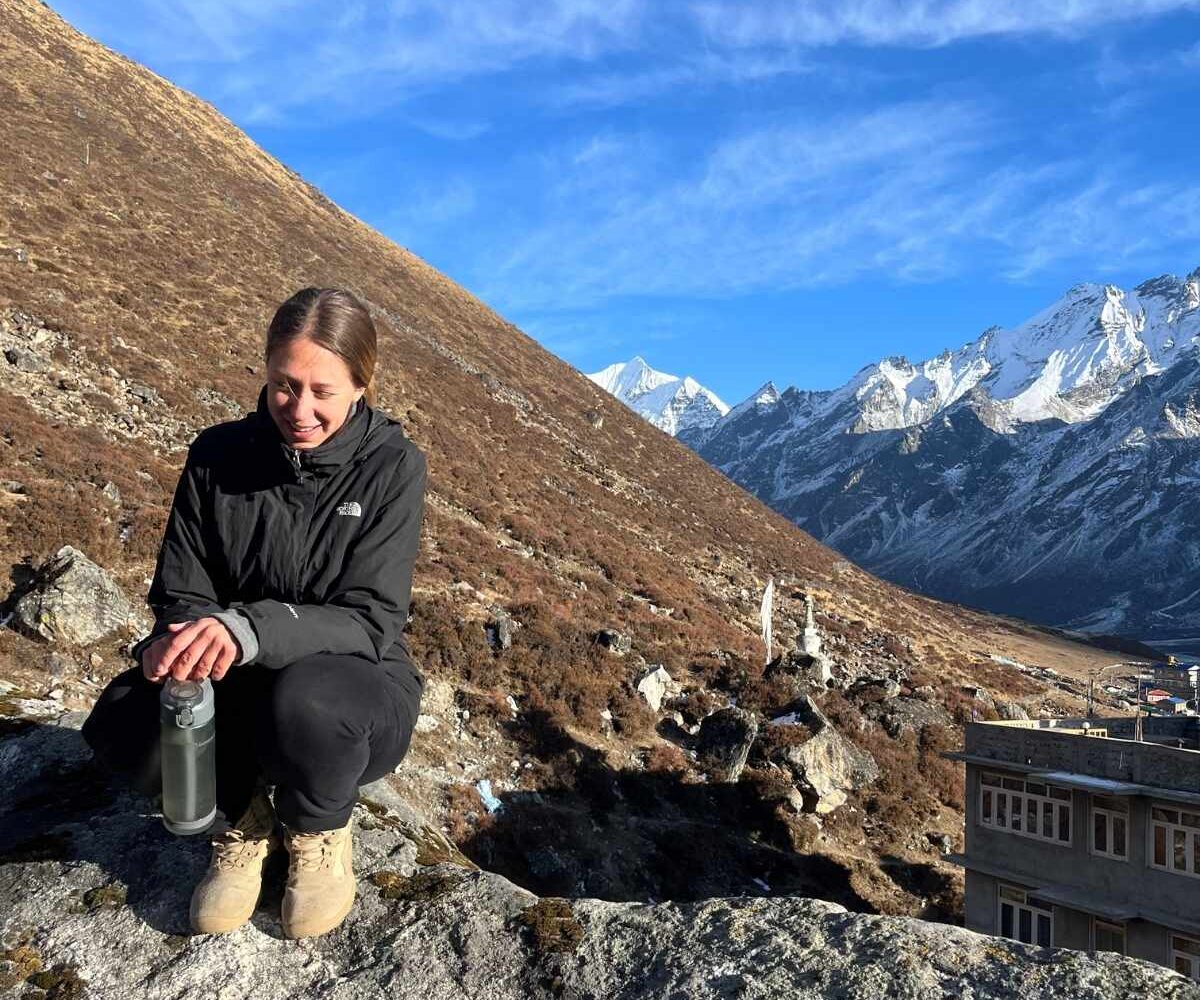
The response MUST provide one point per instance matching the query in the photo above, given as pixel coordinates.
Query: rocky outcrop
(72, 600)
(94, 894)
(826, 767)
(724, 741)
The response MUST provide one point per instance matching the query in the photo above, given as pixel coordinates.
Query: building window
(1025, 918)
(1185, 956)
(1108, 936)
(1110, 827)
(1175, 840)
(1031, 808)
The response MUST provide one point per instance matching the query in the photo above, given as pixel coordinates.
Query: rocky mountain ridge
(1037, 471)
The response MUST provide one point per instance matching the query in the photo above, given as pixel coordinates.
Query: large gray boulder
(94, 896)
(827, 767)
(73, 601)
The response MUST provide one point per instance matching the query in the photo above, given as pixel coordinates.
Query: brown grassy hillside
(144, 244)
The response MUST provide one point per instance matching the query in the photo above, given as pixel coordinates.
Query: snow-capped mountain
(671, 403)
(1050, 470)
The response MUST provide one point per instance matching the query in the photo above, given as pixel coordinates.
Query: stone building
(1080, 836)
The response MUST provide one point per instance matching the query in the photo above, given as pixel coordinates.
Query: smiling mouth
(297, 429)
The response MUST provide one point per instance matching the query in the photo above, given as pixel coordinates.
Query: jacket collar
(336, 450)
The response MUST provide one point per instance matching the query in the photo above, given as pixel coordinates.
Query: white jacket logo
(350, 509)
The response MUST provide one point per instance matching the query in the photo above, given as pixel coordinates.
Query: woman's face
(309, 392)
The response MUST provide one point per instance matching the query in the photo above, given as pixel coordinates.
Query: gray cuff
(243, 633)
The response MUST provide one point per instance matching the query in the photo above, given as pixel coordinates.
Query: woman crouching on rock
(284, 576)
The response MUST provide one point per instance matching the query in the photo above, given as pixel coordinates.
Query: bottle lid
(184, 690)
(187, 703)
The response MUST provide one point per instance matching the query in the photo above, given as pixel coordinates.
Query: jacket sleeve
(182, 589)
(369, 604)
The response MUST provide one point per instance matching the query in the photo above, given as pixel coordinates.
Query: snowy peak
(765, 397)
(1069, 362)
(630, 379)
(671, 403)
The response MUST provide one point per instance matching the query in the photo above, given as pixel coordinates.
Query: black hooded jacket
(315, 548)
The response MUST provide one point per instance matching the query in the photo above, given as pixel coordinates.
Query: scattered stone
(145, 393)
(24, 360)
(111, 493)
(58, 665)
(942, 841)
(96, 661)
(18, 254)
(614, 641)
(979, 694)
(877, 688)
(724, 741)
(807, 670)
(500, 630)
(902, 714)
(426, 723)
(1011, 711)
(657, 685)
(72, 600)
(14, 487)
(595, 418)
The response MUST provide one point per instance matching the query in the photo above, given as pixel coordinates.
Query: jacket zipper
(299, 539)
(302, 539)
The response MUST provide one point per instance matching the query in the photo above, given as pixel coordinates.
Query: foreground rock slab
(94, 896)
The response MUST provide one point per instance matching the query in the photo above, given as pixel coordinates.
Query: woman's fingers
(224, 661)
(184, 662)
(205, 664)
(152, 659)
(178, 645)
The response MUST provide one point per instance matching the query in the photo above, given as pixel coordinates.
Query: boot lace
(236, 849)
(313, 852)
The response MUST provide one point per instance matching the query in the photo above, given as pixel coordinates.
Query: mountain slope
(1043, 471)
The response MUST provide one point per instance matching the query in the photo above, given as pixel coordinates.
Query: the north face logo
(350, 509)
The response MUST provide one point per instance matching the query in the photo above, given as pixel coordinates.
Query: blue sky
(736, 191)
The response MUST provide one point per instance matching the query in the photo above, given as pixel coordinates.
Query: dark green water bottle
(189, 777)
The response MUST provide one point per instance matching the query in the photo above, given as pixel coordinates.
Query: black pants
(316, 730)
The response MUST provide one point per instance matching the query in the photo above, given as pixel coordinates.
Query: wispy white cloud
(701, 69)
(265, 58)
(907, 23)
(910, 192)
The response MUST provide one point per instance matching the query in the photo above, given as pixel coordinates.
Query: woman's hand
(191, 651)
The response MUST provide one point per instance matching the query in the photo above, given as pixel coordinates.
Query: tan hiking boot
(320, 886)
(227, 895)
